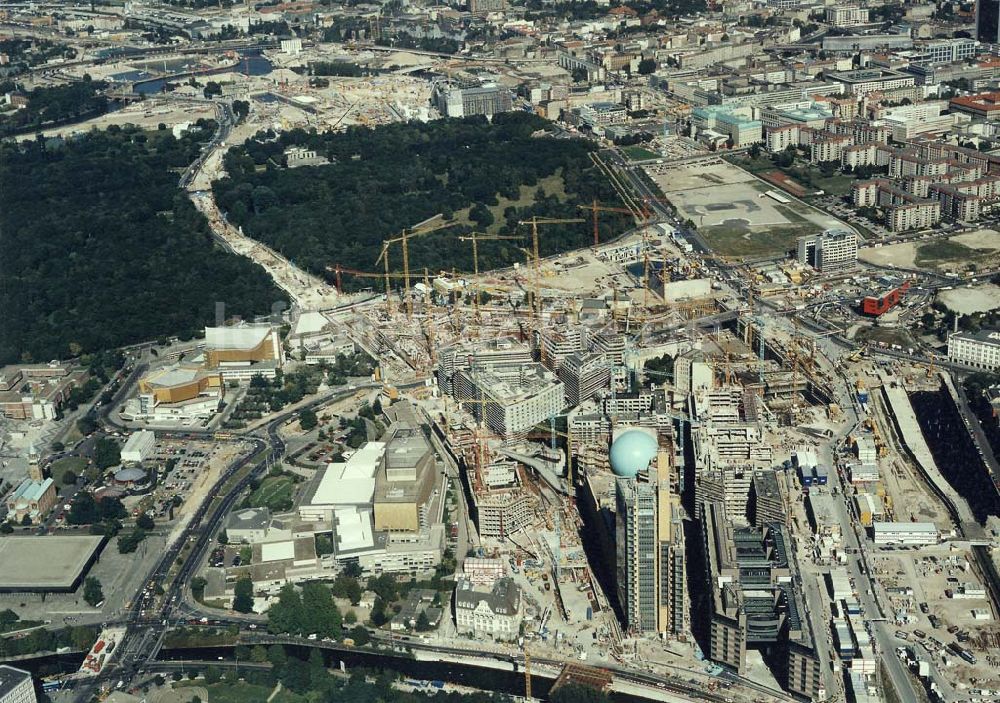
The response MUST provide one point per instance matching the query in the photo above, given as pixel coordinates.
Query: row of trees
(102, 249)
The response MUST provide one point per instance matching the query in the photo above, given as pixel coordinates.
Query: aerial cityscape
(499, 350)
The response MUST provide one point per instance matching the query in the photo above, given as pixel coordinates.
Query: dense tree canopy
(55, 104)
(100, 247)
(312, 612)
(386, 179)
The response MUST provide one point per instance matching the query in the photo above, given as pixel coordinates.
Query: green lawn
(240, 692)
(552, 186)
(638, 153)
(735, 239)
(884, 334)
(275, 492)
(70, 463)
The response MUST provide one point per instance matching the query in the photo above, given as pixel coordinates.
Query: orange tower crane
(595, 208)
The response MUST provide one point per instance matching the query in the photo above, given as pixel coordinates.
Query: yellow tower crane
(425, 227)
(534, 222)
(475, 238)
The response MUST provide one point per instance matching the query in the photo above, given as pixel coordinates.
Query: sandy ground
(971, 300)
(148, 115)
(893, 255)
(981, 239)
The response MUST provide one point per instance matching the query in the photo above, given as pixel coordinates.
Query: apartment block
(510, 398)
(847, 16)
(978, 349)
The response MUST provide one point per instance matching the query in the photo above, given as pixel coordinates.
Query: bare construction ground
(732, 210)
(945, 254)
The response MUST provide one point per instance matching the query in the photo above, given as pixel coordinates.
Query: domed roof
(130, 475)
(631, 452)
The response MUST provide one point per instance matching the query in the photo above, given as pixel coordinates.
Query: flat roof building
(46, 564)
(750, 574)
(343, 484)
(511, 398)
(980, 349)
(138, 447)
(16, 686)
(832, 251)
(905, 533)
(243, 351)
(404, 482)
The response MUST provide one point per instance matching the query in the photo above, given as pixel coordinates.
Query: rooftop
(239, 337)
(11, 678)
(45, 563)
(349, 483)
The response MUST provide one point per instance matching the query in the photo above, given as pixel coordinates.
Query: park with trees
(101, 248)
(480, 174)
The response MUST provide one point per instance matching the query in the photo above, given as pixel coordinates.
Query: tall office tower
(988, 21)
(650, 553)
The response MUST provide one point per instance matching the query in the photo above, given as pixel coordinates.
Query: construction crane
(337, 270)
(425, 227)
(595, 208)
(527, 674)
(534, 222)
(475, 238)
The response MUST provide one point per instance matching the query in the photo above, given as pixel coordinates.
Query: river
(252, 63)
(482, 678)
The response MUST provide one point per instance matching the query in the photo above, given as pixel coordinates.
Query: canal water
(252, 63)
(481, 678)
(954, 452)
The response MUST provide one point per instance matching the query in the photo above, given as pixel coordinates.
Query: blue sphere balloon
(631, 452)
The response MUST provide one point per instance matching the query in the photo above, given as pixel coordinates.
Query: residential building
(985, 106)
(37, 391)
(948, 50)
(868, 80)
(583, 376)
(649, 560)
(16, 686)
(485, 99)
(767, 499)
(750, 573)
(483, 7)
(847, 16)
(979, 349)
(495, 614)
(248, 526)
(832, 251)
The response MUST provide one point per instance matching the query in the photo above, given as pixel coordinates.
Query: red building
(880, 303)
